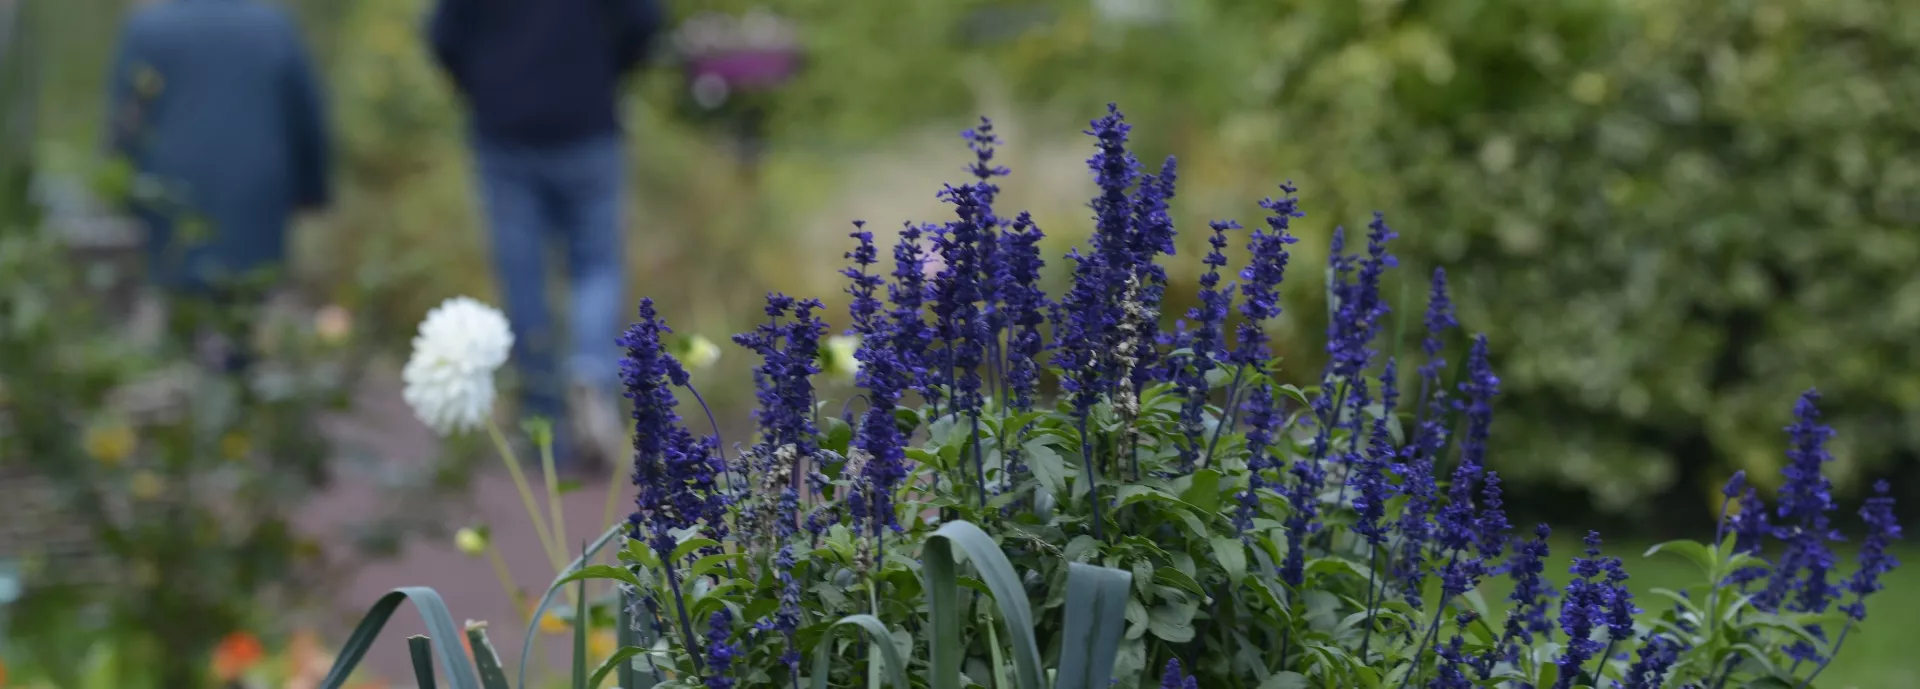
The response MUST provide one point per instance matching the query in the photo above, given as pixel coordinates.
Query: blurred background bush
(1669, 215)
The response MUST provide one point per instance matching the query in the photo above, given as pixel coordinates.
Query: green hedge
(1668, 214)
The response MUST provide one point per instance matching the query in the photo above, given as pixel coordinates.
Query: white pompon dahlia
(449, 377)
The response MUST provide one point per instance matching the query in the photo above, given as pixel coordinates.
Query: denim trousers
(563, 200)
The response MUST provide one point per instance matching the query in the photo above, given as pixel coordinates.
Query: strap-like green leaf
(485, 658)
(581, 620)
(944, 609)
(422, 651)
(882, 641)
(1095, 619)
(445, 637)
(526, 646)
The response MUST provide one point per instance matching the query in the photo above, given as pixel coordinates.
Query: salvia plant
(1165, 510)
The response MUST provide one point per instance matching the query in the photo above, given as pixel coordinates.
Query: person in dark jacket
(541, 79)
(215, 105)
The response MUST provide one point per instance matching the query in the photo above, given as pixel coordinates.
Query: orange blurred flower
(236, 654)
(3, 673)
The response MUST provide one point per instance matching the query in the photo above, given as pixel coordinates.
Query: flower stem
(1373, 567)
(506, 578)
(526, 496)
(1832, 651)
(1093, 482)
(613, 492)
(557, 524)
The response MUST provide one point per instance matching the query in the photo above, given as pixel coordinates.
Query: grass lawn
(1877, 654)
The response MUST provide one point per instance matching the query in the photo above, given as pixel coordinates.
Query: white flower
(449, 378)
(839, 357)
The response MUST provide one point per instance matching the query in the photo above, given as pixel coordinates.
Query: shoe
(601, 436)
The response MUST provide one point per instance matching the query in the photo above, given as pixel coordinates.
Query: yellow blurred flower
(470, 541)
(146, 485)
(110, 443)
(235, 446)
(552, 624)
(600, 644)
(698, 353)
(333, 323)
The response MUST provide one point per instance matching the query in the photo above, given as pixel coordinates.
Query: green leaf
(1204, 494)
(1078, 548)
(687, 547)
(620, 574)
(1172, 622)
(526, 645)
(1232, 557)
(942, 589)
(1047, 466)
(1175, 578)
(1693, 551)
(622, 658)
(1679, 599)
(708, 564)
(836, 434)
(1286, 679)
(1095, 616)
(1322, 607)
(433, 611)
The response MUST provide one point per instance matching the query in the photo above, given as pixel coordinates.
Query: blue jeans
(566, 197)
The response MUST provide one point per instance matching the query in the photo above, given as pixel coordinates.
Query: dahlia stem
(613, 493)
(506, 578)
(557, 524)
(526, 496)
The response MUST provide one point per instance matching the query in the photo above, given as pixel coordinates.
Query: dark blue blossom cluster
(1597, 597)
(1176, 678)
(1799, 577)
(789, 350)
(720, 650)
(976, 322)
(1531, 597)
(1206, 344)
(675, 472)
(1024, 304)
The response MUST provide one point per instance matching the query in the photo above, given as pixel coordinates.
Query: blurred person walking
(215, 105)
(541, 80)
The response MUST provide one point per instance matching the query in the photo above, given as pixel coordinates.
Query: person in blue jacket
(216, 106)
(541, 81)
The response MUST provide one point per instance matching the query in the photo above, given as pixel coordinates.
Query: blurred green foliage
(1668, 215)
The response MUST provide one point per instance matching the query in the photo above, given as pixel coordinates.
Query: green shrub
(1667, 215)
